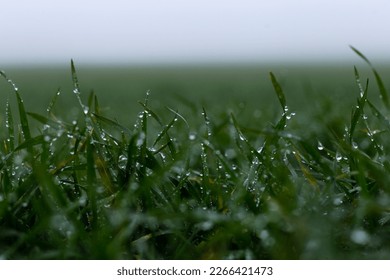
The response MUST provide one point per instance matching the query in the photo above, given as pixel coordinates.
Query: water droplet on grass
(192, 136)
(320, 146)
(290, 116)
(122, 161)
(337, 201)
(206, 225)
(339, 157)
(141, 139)
(230, 153)
(360, 237)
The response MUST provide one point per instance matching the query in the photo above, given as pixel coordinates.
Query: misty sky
(155, 31)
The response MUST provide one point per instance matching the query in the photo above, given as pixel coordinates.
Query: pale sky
(158, 31)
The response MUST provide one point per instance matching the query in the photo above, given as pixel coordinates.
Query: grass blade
(22, 112)
(382, 90)
(23, 117)
(9, 123)
(91, 181)
(53, 102)
(279, 92)
(358, 112)
(76, 87)
(178, 115)
(207, 122)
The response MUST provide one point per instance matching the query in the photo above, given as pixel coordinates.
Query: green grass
(198, 180)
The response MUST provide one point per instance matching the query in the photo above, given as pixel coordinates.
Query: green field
(215, 162)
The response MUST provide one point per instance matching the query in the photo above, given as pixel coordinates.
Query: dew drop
(192, 136)
(290, 116)
(359, 236)
(141, 139)
(230, 153)
(337, 201)
(320, 146)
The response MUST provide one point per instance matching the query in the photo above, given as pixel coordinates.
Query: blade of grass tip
(382, 90)
(207, 122)
(97, 106)
(76, 87)
(2, 73)
(91, 99)
(22, 111)
(279, 92)
(178, 115)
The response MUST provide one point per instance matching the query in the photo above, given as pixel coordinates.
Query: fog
(202, 31)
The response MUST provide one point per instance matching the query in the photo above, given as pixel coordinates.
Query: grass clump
(224, 188)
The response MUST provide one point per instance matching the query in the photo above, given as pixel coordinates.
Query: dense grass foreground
(225, 188)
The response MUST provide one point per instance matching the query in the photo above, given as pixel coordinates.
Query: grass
(197, 183)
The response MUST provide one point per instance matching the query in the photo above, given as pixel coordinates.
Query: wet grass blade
(358, 112)
(76, 87)
(22, 112)
(279, 92)
(178, 115)
(153, 114)
(243, 138)
(53, 102)
(165, 131)
(112, 123)
(44, 120)
(91, 181)
(10, 127)
(207, 123)
(382, 90)
(23, 118)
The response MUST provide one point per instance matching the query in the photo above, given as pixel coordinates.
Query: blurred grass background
(216, 86)
(318, 93)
